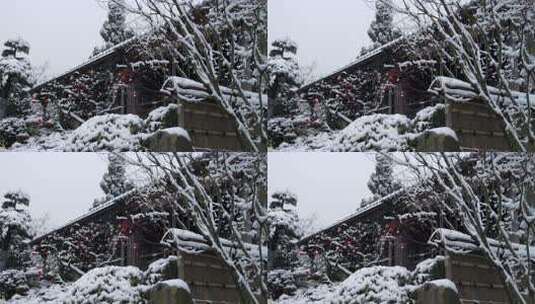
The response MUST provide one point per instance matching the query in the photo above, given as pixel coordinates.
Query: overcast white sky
(328, 185)
(60, 32)
(62, 185)
(329, 33)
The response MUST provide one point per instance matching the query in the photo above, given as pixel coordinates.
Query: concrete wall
(208, 126)
(476, 279)
(476, 126)
(209, 278)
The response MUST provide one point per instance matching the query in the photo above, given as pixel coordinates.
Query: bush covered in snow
(13, 282)
(429, 118)
(110, 284)
(15, 129)
(281, 282)
(430, 269)
(286, 130)
(111, 132)
(377, 284)
(162, 118)
(376, 132)
(162, 269)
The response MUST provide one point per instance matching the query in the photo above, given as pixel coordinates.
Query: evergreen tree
(15, 77)
(381, 181)
(114, 30)
(284, 76)
(382, 29)
(15, 227)
(114, 182)
(283, 228)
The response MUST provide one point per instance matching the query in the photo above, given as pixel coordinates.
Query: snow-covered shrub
(162, 269)
(287, 129)
(162, 118)
(13, 282)
(111, 132)
(12, 130)
(376, 284)
(281, 282)
(429, 117)
(110, 284)
(318, 295)
(380, 132)
(430, 269)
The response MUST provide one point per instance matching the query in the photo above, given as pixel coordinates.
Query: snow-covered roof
(458, 242)
(88, 62)
(359, 212)
(460, 91)
(357, 61)
(104, 206)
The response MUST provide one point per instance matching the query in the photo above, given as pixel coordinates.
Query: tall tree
(284, 75)
(114, 182)
(114, 30)
(15, 76)
(382, 180)
(284, 227)
(382, 29)
(15, 226)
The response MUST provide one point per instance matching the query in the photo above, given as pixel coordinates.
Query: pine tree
(114, 182)
(382, 182)
(15, 227)
(114, 30)
(283, 227)
(15, 77)
(382, 29)
(284, 76)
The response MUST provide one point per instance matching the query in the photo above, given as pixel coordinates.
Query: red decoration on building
(125, 227)
(126, 76)
(393, 75)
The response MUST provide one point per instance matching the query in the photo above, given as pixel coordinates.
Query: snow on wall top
(357, 61)
(359, 212)
(194, 91)
(194, 242)
(460, 91)
(458, 242)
